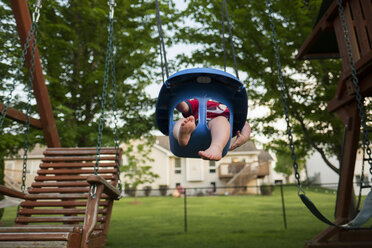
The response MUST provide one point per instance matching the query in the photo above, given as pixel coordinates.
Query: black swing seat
(58, 210)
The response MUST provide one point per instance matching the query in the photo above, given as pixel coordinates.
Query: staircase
(11, 183)
(243, 177)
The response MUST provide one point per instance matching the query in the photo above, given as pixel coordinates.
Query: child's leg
(220, 132)
(182, 130)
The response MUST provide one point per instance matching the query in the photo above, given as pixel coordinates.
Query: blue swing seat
(202, 84)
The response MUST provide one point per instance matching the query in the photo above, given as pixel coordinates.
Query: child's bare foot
(214, 152)
(187, 127)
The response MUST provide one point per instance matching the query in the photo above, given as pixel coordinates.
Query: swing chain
(29, 96)
(18, 72)
(355, 81)
(116, 133)
(109, 54)
(284, 97)
(36, 13)
(112, 5)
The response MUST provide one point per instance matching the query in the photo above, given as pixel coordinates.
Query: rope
(231, 40)
(160, 30)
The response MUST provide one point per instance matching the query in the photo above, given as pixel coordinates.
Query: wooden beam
(44, 107)
(324, 23)
(20, 117)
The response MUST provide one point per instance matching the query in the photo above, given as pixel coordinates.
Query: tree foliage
(136, 172)
(72, 41)
(310, 84)
(72, 44)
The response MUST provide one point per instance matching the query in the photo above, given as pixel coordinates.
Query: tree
(135, 170)
(284, 161)
(72, 37)
(310, 84)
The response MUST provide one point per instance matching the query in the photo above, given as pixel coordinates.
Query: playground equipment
(70, 188)
(349, 24)
(202, 84)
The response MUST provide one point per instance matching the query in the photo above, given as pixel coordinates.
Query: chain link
(284, 96)
(29, 96)
(355, 81)
(22, 59)
(110, 62)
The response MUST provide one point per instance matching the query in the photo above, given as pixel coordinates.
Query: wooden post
(44, 107)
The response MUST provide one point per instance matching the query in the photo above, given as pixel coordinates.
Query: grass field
(214, 221)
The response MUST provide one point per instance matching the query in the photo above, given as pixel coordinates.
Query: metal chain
(116, 134)
(160, 31)
(284, 97)
(223, 34)
(21, 62)
(29, 96)
(355, 81)
(231, 40)
(109, 51)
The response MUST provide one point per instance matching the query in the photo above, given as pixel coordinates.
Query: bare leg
(182, 130)
(220, 132)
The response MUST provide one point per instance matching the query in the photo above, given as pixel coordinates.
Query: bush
(266, 189)
(163, 190)
(129, 191)
(147, 190)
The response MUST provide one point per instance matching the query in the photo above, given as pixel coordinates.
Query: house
(14, 166)
(246, 167)
(320, 173)
(241, 171)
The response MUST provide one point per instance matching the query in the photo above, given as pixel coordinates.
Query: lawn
(215, 221)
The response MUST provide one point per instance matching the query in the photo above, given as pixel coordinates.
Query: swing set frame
(358, 19)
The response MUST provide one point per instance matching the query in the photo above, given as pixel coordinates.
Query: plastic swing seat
(202, 84)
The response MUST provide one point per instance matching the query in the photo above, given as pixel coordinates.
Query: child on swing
(218, 122)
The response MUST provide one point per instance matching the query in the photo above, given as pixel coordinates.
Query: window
(212, 166)
(177, 166)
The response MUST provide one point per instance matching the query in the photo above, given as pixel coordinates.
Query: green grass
(216, 221)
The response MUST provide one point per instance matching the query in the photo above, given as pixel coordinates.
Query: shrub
(147, 190)
(266, 189)
(163, 190)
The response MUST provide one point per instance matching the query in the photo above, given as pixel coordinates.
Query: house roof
(264, 155)
(163, 141)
